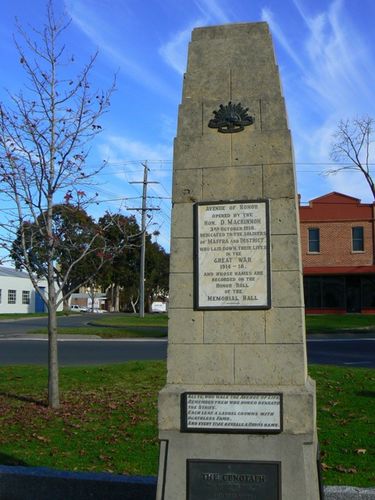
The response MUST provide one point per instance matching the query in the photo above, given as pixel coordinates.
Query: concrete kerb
(348, 493)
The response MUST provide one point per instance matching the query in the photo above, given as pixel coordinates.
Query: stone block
(211, 150)
(181, 291)
(283, 214)
(182, 220)
(260, 80)
(266, 147)
(237, 183)
(270, 364)
(287, 289)
(279, 181)
(207, 84)
(234, 327)
(285, 325)
(187, 185)
(273, 114)
(185, 326)
(181, 260)
(205, 52)
(248, 31)
(200, 364)
(285, 252)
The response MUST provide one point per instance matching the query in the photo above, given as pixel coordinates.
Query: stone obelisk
(237, 415)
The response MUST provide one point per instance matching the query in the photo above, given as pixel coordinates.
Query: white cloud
(268, 16)
(212, 11)
(93, 27)
(128, 149)
(174, 52)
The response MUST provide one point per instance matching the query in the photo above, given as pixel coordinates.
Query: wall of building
(335, 215)
(18, 285)
(336, 244)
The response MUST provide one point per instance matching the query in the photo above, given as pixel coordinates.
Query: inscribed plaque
(233, 480)
(231, 412)
(232, 255)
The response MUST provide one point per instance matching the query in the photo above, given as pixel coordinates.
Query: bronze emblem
(231, 118)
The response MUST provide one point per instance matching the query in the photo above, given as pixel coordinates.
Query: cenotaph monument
(237, 414)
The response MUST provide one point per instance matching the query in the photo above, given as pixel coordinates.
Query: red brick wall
(336, 244)
(335, 215)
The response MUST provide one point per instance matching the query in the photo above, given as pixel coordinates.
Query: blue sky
(326, 55)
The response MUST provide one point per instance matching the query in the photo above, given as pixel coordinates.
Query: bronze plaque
(233, 480)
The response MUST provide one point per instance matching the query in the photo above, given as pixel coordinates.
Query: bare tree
(44, 136)
(352, 142)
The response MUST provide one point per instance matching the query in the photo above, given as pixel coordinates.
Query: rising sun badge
(231, 118)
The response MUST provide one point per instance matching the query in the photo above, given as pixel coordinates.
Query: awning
(311, 271)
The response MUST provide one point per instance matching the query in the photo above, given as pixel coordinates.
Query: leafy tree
(157, 272)
(44, 136)
(74, 231)
(123, 270)
(352, 142)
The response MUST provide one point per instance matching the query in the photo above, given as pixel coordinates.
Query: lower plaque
(233, 480)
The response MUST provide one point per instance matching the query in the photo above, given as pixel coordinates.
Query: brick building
(337, 240)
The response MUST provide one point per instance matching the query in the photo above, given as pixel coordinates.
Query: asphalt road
(358, 352)
(21, 326)
(77, 352)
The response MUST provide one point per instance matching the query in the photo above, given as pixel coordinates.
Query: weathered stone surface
(239, 183)
(185, 326)
(187, 186)
(182, 285)
(287, 289)
(206, 151)
(268, 147)
(285, 249)
(279, 181)
(182, 215)
(285, 325)
(181, 255)
(223, 327)
(200, 364)
(284, 216)
(270, 364)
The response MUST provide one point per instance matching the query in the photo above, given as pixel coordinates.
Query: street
(358, 352)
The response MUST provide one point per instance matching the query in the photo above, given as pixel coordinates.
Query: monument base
(239, 465)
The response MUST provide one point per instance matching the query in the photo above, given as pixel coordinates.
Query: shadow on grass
(367, 394)
(25, 399)
(9, 460)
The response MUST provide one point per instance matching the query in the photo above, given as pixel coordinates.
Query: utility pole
(144, 209)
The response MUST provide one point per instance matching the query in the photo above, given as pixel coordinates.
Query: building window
(357, 239)
(25, 297)
(314, 240)
(0, 295)
(12, 295)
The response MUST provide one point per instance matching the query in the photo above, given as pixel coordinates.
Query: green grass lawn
(330, 323)
(105, 332)
(131, 320)
(119, 326)
(108, 420)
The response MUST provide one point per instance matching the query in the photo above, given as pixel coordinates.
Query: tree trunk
(117, 298)
(66, 305)
(53, 365)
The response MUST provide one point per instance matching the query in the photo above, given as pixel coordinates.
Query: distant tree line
(102, 254)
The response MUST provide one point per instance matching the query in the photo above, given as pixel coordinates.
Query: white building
(17, 294)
